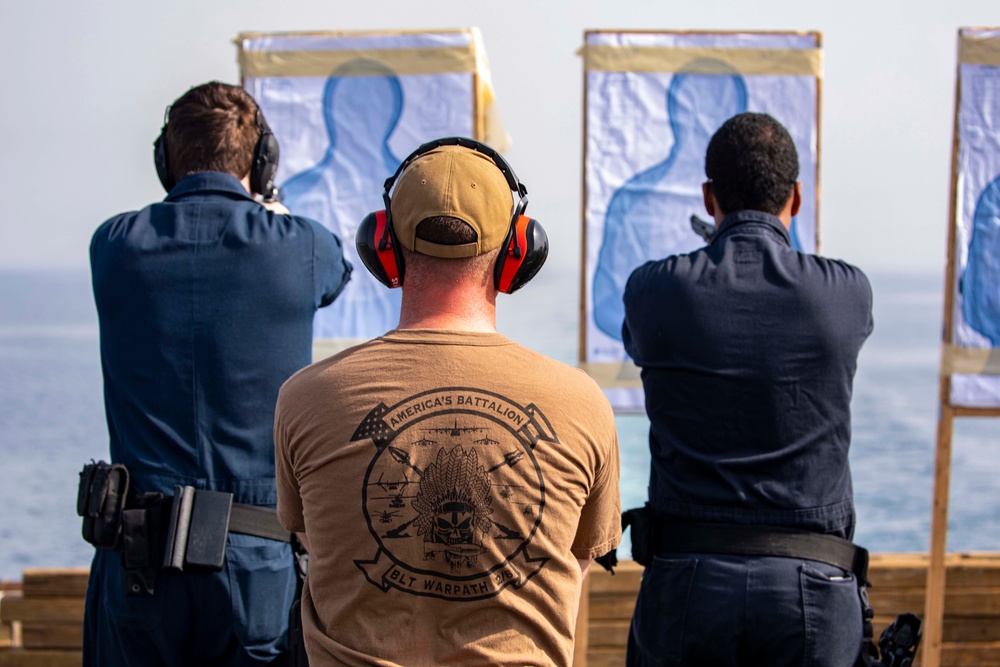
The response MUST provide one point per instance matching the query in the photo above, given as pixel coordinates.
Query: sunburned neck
(453, 310)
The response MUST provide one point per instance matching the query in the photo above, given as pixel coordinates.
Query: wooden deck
(41, 617)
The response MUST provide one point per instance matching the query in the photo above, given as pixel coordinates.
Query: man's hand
(276, 206)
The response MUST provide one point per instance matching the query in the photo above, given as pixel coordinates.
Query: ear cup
(161, 162)
(525, 251)
(265, 160)
(378, 249)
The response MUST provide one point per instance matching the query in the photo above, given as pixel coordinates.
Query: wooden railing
(41, 617)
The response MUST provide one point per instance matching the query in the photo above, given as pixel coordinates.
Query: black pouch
(142, 526)
(100, 501)
(197, 529)
(640, 519)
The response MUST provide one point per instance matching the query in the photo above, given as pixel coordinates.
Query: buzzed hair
(212, 127)
(446, 230)
(752, 164)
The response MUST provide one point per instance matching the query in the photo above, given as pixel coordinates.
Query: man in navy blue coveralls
(206, 302)
(748, 351)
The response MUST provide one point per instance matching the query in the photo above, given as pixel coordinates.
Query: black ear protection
(523, 252)
(263, 169)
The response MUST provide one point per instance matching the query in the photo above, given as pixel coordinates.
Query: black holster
(640, 519)
(142, 542)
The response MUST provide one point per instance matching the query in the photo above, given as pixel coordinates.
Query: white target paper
(653, 101)
(976, 311)
(346, 109)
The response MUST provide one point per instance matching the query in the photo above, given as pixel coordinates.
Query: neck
(438, 302)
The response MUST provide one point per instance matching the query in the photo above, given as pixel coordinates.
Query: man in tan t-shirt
(451, 485)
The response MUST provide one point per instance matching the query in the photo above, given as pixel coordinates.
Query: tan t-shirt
(447, 483)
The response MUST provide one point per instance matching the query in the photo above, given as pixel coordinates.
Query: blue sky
(86, 83)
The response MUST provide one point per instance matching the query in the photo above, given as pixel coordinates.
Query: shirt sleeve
(289, 497)
(600, 528)
(331, 270)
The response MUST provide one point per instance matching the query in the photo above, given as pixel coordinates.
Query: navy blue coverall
(206, 303)
(748, 350)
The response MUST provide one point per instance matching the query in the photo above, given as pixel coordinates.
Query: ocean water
(52, 415)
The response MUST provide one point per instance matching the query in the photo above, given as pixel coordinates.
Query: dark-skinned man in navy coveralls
(748, 350)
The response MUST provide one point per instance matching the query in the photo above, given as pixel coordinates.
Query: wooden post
(933, 621)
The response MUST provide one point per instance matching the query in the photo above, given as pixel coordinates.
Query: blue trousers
(237, 617)
(719, 611)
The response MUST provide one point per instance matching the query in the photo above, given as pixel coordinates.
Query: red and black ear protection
(263, 169)
(524, 249)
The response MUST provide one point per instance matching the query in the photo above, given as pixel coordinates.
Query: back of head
(752, 164)
(451, 182)
(212, 127)
(451, 211)
(446, 231)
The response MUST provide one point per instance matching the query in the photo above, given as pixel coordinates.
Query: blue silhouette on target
(362, 103)
(980, 282)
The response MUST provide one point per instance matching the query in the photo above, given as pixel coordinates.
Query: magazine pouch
(197, 528)
(100, 501)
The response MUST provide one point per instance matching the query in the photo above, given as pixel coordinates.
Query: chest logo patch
(453, 495)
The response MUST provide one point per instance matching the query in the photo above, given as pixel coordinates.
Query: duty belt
(751, 540)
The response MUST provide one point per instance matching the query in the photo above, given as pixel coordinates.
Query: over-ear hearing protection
(522, 254)
(262, 171)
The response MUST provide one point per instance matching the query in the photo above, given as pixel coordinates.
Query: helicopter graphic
(456, 430)
(387, 516)
(507, 490)
(394, 490)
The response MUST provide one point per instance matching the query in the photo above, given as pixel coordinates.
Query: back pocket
(832, 610)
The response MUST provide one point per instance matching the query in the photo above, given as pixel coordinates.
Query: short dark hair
(446, 230)
(212, 127)
(752, 164)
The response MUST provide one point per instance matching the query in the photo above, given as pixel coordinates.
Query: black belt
(259, 521)
(751, 540)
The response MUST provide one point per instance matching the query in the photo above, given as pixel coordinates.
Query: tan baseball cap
(457, 182)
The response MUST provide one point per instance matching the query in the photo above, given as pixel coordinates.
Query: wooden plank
(601, 657)
(970, 654)
(19, 657)
(910, 570)
(968, 629)
(6, 629)
(18, 608)
(959, 602)
(611, 607)
(627, 577)
(608, 634)
(56, 583)
(36, 635)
